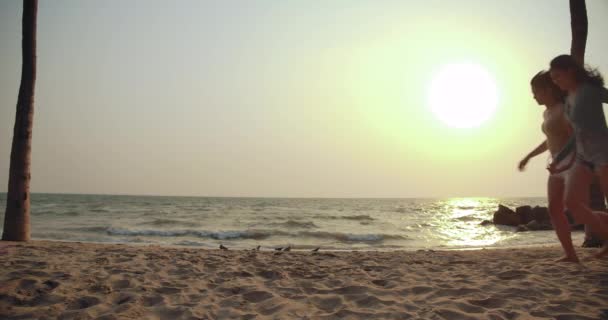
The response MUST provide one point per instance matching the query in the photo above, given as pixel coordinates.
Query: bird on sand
(222, 247)
(316, 249)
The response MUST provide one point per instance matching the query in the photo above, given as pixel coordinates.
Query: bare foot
(603, 251)
(568, 259)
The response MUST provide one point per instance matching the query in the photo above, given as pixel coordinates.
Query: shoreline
(52, 279)
(576, 234)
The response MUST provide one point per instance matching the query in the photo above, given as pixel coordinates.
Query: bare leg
(603, 174)
(594, 191)
(555, 190)
(596, 203)
(576, 200)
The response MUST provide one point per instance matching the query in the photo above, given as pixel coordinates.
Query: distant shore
(48, 280)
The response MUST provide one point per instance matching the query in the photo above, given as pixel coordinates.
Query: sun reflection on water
(458, 223)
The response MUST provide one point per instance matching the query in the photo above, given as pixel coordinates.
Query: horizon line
(275, 197)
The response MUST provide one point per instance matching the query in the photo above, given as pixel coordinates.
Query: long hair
(542, 80)
(582, 74)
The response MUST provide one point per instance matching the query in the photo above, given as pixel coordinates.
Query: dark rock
(506, 216)
(541, 214)
(486, 222)
(525, 214)
(535, 226)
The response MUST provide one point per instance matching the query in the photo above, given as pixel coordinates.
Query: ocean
(244, 223)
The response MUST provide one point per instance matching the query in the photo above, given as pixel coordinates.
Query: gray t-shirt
(584, 108)
(586, 114)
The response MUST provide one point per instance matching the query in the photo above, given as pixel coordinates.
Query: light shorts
(567, 160)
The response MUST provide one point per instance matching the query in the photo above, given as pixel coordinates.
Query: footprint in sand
(38, 264)
(121, 284)
(107, 317)
(468, 308)
(271, 274)
(168, 290)
(449, 314)
(328, 304)
(229, 303)
(83, 303)
(61, 275)
(119, 271)
(149, 301)
(512, 274)
(351, 290)
(491, 303)
(380, 282)
(27, 284)
(125, 298)
(22, 274)
(270, 307)
(257, 296)
(372, 302)
(100, 288)
(417, 290)
(229, 291)
(173, 312)
(243, 274)
(102, 260)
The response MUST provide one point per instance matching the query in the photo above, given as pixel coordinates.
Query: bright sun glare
(463, 95)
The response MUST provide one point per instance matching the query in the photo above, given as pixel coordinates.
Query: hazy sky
(281, 98)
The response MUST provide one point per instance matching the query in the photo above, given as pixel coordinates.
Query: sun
(463, 95)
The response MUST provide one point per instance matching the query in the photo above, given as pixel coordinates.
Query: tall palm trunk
(17, 216)
(579, 27)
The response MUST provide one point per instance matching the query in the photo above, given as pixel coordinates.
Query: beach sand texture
(49, 280)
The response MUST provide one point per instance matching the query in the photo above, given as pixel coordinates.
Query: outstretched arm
(538, 150)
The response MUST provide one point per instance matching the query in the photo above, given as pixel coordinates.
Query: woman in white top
(557, 130)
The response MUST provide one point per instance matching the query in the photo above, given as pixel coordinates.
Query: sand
(49, 280)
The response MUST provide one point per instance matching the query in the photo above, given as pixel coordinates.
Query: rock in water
(525, 214)
(506, 216)
(541, 215)
(535, 225)
(485, 222)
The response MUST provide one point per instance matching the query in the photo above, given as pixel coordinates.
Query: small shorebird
(316, 249)
(222, 247)
(257, 248)
(287, 249)
(278, 249)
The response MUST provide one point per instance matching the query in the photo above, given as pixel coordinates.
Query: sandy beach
(49, 280)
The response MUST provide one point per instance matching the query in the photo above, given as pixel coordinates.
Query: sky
(282, 98)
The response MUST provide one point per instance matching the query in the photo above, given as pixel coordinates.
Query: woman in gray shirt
(584, 109)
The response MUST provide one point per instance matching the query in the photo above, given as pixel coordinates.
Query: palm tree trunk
(17, 215)
(579, 26)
